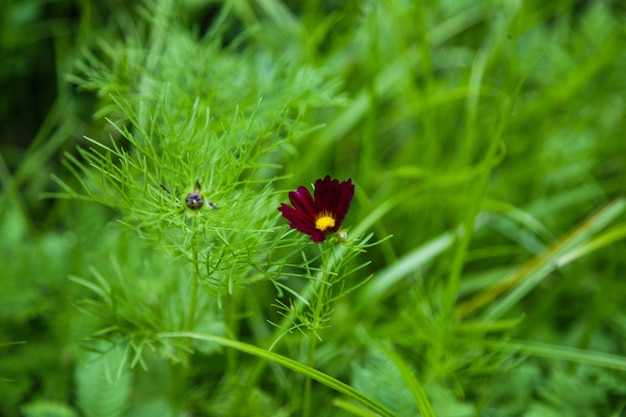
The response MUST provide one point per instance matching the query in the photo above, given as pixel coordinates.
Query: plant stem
(308, 383)
(230, 306)
(193, 302)
(319, 301)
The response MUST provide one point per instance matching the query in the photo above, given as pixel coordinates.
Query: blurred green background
(504, 116)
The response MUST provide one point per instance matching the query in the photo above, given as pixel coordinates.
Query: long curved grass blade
(296, 366)
(414, 385)
(564, 353)
(382, 282)
(523, 279)
(352, 408)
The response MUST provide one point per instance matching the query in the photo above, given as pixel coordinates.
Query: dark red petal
(346, 193)
(302, 201)
(318, 236)
(334, 197)
(325, 194)
(296, 217)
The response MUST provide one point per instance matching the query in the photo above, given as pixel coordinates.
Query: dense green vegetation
(482, 272)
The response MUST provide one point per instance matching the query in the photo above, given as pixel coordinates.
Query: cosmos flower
(320, 215)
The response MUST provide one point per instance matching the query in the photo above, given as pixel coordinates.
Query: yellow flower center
(324, 221)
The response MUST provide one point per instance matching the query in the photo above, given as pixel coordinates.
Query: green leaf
(103, 384)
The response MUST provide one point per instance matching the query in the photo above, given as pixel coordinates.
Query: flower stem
(193, 302)
(320, 299)
(230, 320)
(308, 383)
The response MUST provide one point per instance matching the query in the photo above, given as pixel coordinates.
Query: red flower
(322, 215)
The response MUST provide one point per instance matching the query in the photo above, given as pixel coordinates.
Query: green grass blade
(523, 279)
(412, 261)
(414, 385)
(563, 353)
(312, 373)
